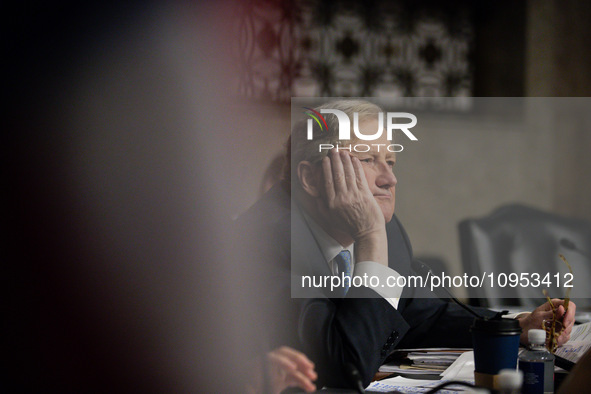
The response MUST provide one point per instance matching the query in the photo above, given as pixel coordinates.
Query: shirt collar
(329, 246)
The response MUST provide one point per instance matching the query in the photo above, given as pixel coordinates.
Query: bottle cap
(510, 379)
(536, 336)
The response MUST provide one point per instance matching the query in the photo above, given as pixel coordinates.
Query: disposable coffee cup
(496, 347)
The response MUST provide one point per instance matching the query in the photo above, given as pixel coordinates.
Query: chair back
(523, 240)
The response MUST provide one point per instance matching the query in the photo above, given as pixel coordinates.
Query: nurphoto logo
(345, 129)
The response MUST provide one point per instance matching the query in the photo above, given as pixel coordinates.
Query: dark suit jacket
(360, 329)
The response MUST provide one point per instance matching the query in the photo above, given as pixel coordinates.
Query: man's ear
(308, 177)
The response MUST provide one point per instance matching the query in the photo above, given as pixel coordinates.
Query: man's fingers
(545, 315)
(570, 315)
(298, 379)
(564, 336)
(559, 312)
(544, 312)
(294, 368)
(359, 174)
(338, 172)
(328, 181)
(350, 176)
(281, 361)
(299, 359)
(547, 307)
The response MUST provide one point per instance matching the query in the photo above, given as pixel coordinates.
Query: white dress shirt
(331, 248)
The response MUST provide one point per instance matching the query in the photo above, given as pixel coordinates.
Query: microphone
(424, 270)
(568, 244)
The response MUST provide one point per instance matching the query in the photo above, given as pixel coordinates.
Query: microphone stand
(424, 270)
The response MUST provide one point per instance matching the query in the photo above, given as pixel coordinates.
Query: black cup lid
(496, 326)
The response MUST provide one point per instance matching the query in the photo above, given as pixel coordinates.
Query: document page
(579, 343)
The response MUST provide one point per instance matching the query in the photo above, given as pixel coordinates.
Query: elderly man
(339, 220)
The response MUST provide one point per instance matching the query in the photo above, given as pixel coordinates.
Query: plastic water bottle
(537, 364)
(509, 381)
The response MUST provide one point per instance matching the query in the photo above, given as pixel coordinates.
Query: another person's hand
(285, 367)
(290, 368)
(544, 312)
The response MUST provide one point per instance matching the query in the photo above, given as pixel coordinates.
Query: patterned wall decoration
(376, 48)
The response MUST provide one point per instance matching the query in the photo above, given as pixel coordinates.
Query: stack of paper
(579, 343)
(462, 369)
(421, 361)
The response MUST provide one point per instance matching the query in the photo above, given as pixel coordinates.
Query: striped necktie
(344, 264)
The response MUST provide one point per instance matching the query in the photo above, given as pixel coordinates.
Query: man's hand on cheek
(349, 201)
(351, 207)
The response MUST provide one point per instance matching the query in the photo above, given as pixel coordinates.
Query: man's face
(378, 165)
